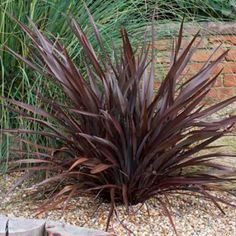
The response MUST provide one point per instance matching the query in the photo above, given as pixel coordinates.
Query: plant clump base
(193, 216)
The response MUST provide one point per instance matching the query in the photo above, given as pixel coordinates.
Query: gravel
(192, 216)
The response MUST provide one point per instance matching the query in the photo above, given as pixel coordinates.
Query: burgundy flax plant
(117, 139)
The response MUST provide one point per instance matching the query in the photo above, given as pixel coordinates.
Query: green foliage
(117, 139)
(225, 9)
(18, 81)
(200, 10)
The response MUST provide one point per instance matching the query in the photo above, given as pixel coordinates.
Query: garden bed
(192, 216)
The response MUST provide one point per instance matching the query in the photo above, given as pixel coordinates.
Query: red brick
(229, 67)
(217, 69)
(231, 55)
(198, 42)
(212, 96)
(196, 67)
(230, 80)
(223, 45)
(157, 84)
(224, 93)
(213, 93)
(220, 38)
(203, 55)
(219, 94)
(200, 55)
(192, 68)
(218, 82)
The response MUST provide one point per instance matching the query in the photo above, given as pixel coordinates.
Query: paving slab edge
(50, 226)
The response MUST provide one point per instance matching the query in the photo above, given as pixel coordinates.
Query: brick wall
(213, 35)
